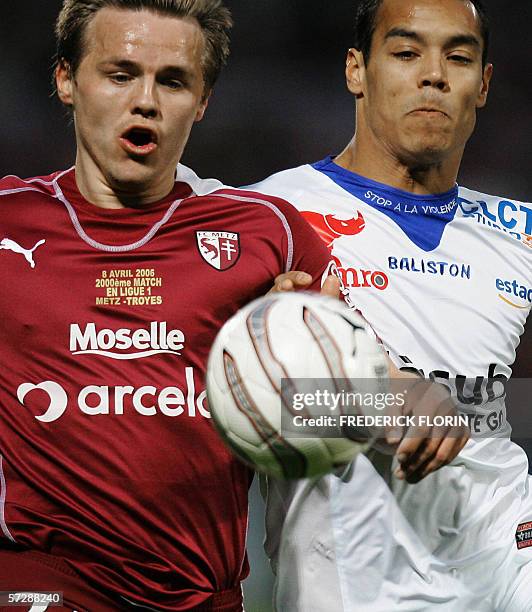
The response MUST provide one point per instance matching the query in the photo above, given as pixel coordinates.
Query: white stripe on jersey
(3, 493)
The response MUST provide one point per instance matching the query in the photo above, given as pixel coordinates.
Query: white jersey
(446, 283)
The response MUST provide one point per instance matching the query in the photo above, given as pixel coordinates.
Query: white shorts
(345, 544)
(467, 514)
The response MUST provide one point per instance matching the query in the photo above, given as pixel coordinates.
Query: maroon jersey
(108, 456)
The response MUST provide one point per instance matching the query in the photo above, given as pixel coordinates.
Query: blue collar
(422, 218)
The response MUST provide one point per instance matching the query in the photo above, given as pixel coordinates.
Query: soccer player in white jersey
(444, 276)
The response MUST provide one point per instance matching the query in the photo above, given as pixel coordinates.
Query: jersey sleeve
(311, 255)
(11, 184)
(300, 248)
(309, 252)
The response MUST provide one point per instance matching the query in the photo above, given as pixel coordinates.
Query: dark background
(281, 102)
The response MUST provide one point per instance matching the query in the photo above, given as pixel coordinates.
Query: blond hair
(213, 17)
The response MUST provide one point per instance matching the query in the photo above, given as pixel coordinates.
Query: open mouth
(138, 140)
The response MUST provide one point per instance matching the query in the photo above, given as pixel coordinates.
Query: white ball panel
(293, 345)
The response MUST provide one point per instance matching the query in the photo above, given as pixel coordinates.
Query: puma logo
(10, 245)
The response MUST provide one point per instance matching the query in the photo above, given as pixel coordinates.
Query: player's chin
(135, 173)
(426, 150)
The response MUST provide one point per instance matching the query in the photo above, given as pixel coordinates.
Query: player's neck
(98, 190)
(378, 164)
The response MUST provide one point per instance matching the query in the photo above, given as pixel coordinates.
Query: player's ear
(484, 88)
(355, 72)
(63, 82)
(203, 106)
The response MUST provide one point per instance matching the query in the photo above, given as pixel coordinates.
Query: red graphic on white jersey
(329, 227)
(220, 250)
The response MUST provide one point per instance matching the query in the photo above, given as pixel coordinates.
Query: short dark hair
(366, 22)
(213, 17)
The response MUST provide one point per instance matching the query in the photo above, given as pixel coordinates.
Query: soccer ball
(270, 365)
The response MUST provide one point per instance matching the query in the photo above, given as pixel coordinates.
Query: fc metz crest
(220, 250)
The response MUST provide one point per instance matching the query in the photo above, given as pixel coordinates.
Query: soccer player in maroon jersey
(116, 275)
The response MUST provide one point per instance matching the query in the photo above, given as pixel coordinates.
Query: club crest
(220, 250)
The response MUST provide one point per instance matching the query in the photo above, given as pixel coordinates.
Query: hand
(291, 281)
(423, 449)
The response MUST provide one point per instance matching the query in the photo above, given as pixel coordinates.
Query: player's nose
(433, 72)
(145, 99)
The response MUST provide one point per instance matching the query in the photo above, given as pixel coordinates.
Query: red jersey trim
(37, 179)
(109, 247)
(276, 211)
(59, 195)
(75, 220)
(18, 190)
